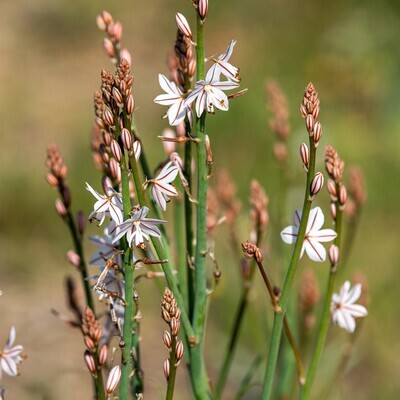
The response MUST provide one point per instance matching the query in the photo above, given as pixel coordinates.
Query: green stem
(279, 317)
(246, 381)
(325, 317)
(172, 370)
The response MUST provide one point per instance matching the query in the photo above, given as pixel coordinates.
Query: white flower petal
(289, 234)
(353, 295)
(158, 197)
(201, 103)
(315, 250)
(356, 310)
(324, 235)
(315, 220)
(9, 366)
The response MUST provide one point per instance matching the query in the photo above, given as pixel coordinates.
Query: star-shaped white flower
(173, 97)
(162, 189)
(314, 234)
(209, 94)
(222, 66)
(10, 356)
(107, 248)
(106, 205)
(138, 228)
(343, 309)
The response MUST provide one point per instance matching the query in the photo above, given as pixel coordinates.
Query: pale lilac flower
(10, 356)
(162, 188)
(106, 248)
(209, 93)
(222, 66)
(138, 228)
(106, 205)
(314, 234)
(173, 98)
(343, 309)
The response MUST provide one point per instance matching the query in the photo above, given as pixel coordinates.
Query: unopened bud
(331, 186)
(117, 96)
(89, 360)
(130, 104)
(108, 117)
(303, 111)
(73, 258)
(107, 138)
(89, 343)
(209, 155)
(51, 180)
(116, 150)
(179, 350)
(166, 369)
(117, 31)
(126, 138)
(317, 183)
(63, 171)
(317, 133)
(103, 354)
(101, 24)
(203, 8)
(115, 169)
(175, 326)
(310, 123)
(167, 339)
(333, 210)
(126, 55)
(60, 208)
(104, 153)
(106, 183)
(333, 253)
(342, 195)
(183, 25)
(137, 149)
(108, 48)
(304, 155)
(113, 379)
(80, 222)
(108, 19)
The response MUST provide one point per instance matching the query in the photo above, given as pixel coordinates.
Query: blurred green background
(51, 56)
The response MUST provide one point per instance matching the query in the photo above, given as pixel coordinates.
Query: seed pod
(113, 379)
(183, 25)
(304, 155)
(316, 183)
(333, 253)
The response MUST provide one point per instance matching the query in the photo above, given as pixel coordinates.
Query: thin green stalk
(325, 320)
(172, 370)
(246, 381)
(279, 317)
(197, 369)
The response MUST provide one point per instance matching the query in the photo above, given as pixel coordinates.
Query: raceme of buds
(183, 25)
(304, 155)
(113, 379)
(126, 138)
(316, 183)
(203, 9)
(333, 253)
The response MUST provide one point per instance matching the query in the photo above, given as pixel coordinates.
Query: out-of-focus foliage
(51, 57)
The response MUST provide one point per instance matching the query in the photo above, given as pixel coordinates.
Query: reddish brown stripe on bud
(310, 123)
(116, 150)
(89, 360)
(126, 138)
(89, 343)
(130, 104)
(167, 339)
(317, 132)
(304, 155)
(117, 96)
(317, 183)
(103, 354)
(115, 169)
(183, 25)
(179, 350)
(203, 8)
(331, 186)
(113, 379)
(108, 117)
(166, 369)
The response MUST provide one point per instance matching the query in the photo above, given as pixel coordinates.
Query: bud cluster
(171, 314)
(310, 112)
(250, 250)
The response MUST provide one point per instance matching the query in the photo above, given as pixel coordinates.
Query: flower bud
(179, 350)
(333, 254)
(167, 339)
(331, 186)
(310, 123)
(183, 25)
(89, 360)
(63, 171)
(108, 117)
(117, 96)
(175, 326)
(137, 149)
(333, 210)
(304, 155)
(80, 222)
(203, 8)
(73, 258)
(126, 138)
(126, 55)
(116, 150)
(103, 354)
(316, 183)
(209, 155)
(89, 343)
(51, 180)
(104, 153)
(106, 184)
(166, 369)
(107, 17)
(106, 138)
(101, 24)
(117, 31)
(115, 169)
(130, 104)
(60, 208)
(303, 111)
(108, 48)
(113, 379)
(317, 132)
(342, 195)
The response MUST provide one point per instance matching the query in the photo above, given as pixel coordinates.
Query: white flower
(173, 98)
(314, 234)
(209, 93)
(162, 189)
(138, 228)
(343, 309)
(221, 65)
(106, 205)
(10, 356)
(107, 248)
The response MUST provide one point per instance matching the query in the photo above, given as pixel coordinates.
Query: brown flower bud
(317, 132)
(342, 195)
(167, 340)
(51, 180)
(250, 250)
(310, 123)
(115, 169)
(130, 104)
(117, 31)
(175, 326)
(331, 186)
(89, 343)
(117, 96)
(280, 152)
(316, 183)
(108, 117)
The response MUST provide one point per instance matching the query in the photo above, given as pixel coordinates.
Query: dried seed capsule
(183, 25)
(316, 183)
(113, 379)
(304, 155)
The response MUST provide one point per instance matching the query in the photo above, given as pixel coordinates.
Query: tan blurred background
(50, 59)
